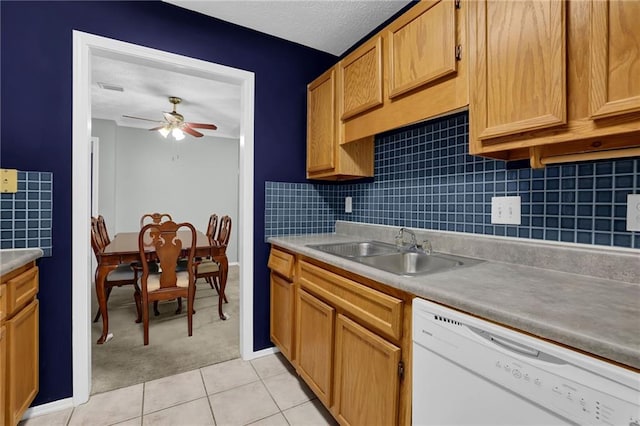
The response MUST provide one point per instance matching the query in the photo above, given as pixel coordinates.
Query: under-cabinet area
(19, 346)
(352, 338)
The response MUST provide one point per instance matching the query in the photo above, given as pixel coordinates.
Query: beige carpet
(125, 361)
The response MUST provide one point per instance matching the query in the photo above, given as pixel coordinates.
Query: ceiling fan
(174, 123)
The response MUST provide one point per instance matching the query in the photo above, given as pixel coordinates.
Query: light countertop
(11, 259)
(597, 315)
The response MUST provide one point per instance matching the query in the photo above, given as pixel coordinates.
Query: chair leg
(190, 299)
(179, 309)
(145, 321)
(98, 313)
(210, 281)
(156, 312)
(217, 286)
(138, 300)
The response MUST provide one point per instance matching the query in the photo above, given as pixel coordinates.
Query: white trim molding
(85, 46)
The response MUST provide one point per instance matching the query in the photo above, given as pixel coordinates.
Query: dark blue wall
(36, 107)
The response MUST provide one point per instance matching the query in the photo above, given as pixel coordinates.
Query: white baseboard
(48, 408)
(261, 353)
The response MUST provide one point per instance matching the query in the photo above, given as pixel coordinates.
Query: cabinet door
(615, 62)
(321, 128)
(361, 79)
(517, 66)
(366, 377)
(22, 358)
(422, 47)
(281, 318)
(3, 372)
(314, 344)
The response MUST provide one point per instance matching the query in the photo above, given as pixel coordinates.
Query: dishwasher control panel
(558, 380)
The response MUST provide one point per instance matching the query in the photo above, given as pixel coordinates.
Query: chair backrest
(224, 232)
(164, 238)
(155, 218)
(96, 241)
(102, 229)
(212, 227)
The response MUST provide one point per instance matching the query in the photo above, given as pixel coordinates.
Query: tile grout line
(206, 391)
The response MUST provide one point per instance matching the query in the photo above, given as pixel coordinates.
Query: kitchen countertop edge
(12, 259)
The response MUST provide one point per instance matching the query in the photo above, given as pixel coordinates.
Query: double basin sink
(390, 258)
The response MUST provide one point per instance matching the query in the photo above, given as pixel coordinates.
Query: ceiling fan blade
(190, 131)
(202, 126)
(156, 128)
(145, 119)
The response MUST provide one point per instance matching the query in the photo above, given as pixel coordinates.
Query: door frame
(84, 47)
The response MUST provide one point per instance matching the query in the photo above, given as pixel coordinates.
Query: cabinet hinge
(459, 52)
(401, 370)
(457, 3)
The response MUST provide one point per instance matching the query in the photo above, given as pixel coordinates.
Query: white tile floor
(265, 391)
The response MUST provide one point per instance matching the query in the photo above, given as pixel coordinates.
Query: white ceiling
(331, 26)
(328, 25)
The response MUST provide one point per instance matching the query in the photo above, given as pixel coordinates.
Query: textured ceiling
(331, 26)
(146, 89)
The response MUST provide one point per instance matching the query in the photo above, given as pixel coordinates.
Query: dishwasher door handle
(515, 347)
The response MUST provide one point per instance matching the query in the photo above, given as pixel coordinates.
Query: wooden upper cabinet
(615, 59)
(422, 46)
(518, 66)
(321, 127)
(361, 79)
(554, 81)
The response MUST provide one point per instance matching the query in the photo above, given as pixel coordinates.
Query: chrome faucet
(413, 245)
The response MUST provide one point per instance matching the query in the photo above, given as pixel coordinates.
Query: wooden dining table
(123, 249)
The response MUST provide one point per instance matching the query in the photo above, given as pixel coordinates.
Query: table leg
(101, 277)
(224, 271)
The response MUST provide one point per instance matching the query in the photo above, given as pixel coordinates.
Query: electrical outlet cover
(633, 212)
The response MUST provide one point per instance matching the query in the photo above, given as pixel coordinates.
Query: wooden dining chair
(124, 274)
(208, 268)
(155, 218)
(102, 228)
(167, 283)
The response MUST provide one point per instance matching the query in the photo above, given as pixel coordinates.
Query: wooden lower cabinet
(366, 382)
(282, 301)
(3, 372)
(314, 344)
(281, 324)
(22, 371)
(19, 343)
(348, 337)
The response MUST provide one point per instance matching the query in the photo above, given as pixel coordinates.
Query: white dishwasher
(467, 371)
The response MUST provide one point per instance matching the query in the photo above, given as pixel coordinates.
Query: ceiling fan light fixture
(164, 131)
(177, 134)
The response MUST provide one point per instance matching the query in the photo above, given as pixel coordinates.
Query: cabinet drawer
(373, 308)
(21, 290)
(282, 263)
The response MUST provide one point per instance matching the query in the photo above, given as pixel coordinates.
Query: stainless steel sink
(388, 257)
(357, 248)
(416, 263)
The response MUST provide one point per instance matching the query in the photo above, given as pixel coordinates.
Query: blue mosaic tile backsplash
(26, 216)
(425, 178)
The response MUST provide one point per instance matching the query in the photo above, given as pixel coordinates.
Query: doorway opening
(85, 46)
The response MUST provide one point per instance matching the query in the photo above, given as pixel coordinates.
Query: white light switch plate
(506, 210)
(348, 205)
(633, 212)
